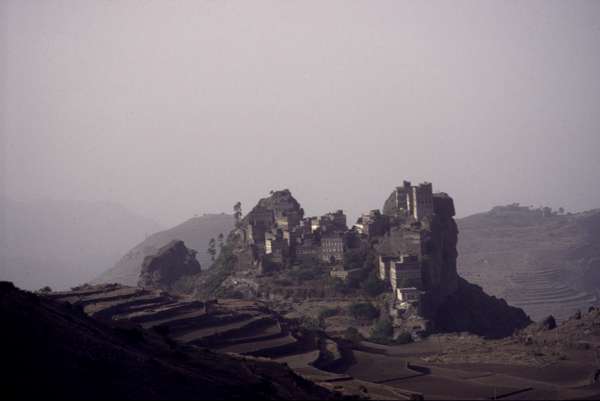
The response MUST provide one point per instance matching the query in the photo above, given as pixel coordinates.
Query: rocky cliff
(470, 309)
(449, 302)
(171, 264)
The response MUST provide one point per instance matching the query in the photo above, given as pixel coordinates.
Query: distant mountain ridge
(61, 243)
(195, 232)
(542, 261)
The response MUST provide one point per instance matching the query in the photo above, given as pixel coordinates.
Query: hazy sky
(180, 107)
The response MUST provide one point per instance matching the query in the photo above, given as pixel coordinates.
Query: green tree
(237, 213)
(382, 330)
(212, 251)
(221, 238)
(373, 286)
(353, 335)
(363, 310)
(354, 258)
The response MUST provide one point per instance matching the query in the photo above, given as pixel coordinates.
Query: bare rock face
(169, 265)
(439, 269)
(471, 309)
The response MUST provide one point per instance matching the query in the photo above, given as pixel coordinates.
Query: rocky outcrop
(171, 263)
(448, 303)
(195, 232)
(277, 202)
(470, 309)
(431, 236)
(440, 276)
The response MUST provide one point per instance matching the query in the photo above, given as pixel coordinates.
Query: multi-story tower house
(384, 266)
(405, 272)
(332, 248)
(422, 202)
(276, 246)
(414, 201)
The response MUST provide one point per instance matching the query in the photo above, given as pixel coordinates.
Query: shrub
(403, 338)
(309, 262)
(351, 334)
(283, 282)
(363, 311)
(382, 330)
(310, 323)
(306, 273)
(354, 258)
(373, 286)
(339, 286)
(327, 312)
(383, 333)
(221, 269)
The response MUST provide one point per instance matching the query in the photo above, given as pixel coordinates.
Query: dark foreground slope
(543, 262)
(53, 350)
(195, 232)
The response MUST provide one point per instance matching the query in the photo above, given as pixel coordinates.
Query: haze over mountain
(180, 108)
(64, 243)
(195, 232)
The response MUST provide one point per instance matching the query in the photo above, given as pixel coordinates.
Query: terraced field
(442, 366)
(541, 292)
(543, 264)
(246, 328)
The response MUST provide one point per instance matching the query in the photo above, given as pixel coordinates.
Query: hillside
(55, 351)
(195, 232)
(546, 263)
(64, 243)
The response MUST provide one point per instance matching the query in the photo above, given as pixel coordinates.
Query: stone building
(332, 248)
(422, 202)
(276, 247)
(405, 272)
(345, 275)
(328, 223)
(409, 295)
(288, 220)
(384, 266)
(373, 223)
(309, 248)
(334, 221)
(413, 201)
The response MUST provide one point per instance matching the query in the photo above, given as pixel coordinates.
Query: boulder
(549, 323)
(170, 264)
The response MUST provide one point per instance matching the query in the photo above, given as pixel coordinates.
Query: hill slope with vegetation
(543, 261)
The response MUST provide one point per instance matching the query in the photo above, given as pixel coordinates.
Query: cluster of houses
(278, 235)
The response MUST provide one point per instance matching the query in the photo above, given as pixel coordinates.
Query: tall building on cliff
(414, 201)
